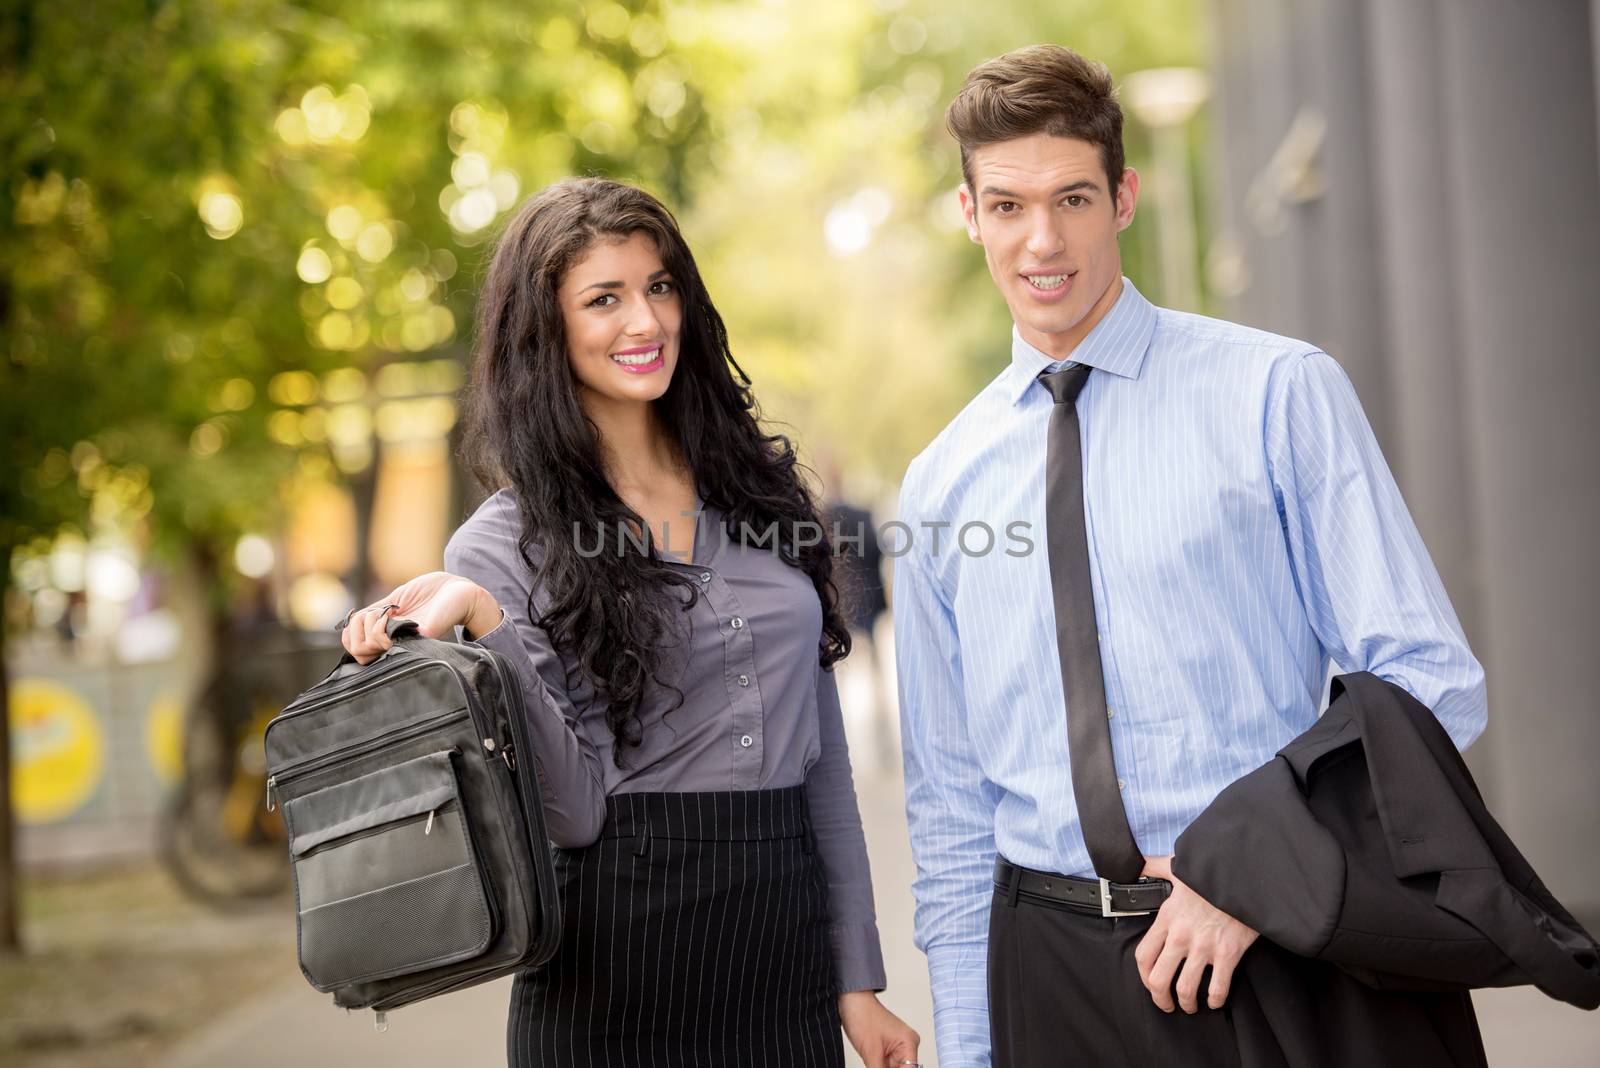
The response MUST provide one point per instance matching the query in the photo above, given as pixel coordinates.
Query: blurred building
(1414, 185)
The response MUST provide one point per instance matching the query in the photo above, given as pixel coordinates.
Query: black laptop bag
(416, 828)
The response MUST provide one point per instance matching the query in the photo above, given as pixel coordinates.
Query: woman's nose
(642, 320)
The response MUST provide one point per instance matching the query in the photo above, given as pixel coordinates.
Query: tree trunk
(10, 890)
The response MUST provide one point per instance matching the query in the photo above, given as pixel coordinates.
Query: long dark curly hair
(525, 428)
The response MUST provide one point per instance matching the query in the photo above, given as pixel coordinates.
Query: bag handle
(399, 628)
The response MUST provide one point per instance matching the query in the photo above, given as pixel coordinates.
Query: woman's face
(623, 315)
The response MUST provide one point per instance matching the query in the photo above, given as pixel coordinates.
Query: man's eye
(1076, 201)
(1005, 207)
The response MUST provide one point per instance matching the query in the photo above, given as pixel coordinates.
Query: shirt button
(705, 576)
(746, 741)
(744, 680)
(737, 623)
(1122, 784)
(1110, 712)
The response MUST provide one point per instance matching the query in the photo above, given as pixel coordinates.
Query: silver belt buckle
(1105, 903)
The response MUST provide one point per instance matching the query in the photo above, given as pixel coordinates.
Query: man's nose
(1044, 240)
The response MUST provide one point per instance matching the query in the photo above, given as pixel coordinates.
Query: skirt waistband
(712, 816)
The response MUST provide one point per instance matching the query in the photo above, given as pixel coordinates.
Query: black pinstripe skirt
(694, 933)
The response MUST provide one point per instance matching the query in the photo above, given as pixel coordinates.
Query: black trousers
(695, 933)
(1064, 988)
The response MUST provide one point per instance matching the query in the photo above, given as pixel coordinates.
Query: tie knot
(1065, 384)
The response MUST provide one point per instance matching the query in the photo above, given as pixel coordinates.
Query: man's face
(1043, 213)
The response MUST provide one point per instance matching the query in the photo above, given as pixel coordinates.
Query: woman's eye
(661, 287)
(599, 302)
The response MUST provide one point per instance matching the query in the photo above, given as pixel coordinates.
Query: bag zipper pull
(507, 754)
(428, 827)
(272, 782)
(380, 1021)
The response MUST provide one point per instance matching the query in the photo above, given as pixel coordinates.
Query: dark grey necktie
(1110, 840)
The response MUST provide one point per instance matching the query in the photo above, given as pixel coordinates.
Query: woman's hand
(437, 601)
(880, 1037)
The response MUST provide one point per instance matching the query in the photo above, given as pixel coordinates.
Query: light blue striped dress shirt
(1244, 531)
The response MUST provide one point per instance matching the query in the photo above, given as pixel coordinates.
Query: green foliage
(201, 197)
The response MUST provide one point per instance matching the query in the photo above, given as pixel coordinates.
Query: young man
(1204, 521)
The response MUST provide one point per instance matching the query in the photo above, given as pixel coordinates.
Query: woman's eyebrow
(618, 285)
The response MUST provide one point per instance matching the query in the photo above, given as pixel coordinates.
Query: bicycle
(216, 835)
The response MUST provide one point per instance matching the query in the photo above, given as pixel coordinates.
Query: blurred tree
(208, 210)
(220, 222)
(828, 220)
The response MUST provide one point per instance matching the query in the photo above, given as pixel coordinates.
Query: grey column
(1520, 131)
(1417, 268)
(1257, 95)
(1348, 303)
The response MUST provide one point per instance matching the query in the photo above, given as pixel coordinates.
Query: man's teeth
(639, 359)
(1046, 281)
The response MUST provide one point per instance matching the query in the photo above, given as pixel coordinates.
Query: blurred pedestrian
(859, 578)
(717, 904)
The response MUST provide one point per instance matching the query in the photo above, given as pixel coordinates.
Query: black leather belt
(1087, 895)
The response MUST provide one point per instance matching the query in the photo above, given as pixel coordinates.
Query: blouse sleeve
(842, 848)
(570, 777)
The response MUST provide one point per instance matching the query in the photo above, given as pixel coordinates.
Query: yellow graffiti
(58, 751)
(163, 737)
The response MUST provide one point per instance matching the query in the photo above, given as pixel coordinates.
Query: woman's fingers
(904, 1048)
(365, 635)
(377, 623)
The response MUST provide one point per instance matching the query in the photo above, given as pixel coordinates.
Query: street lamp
(1165, 99)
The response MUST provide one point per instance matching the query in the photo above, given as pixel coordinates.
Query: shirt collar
(1117, 344)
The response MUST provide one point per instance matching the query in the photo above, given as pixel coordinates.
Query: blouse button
(746, 741)
(737, 623)
(744, 680)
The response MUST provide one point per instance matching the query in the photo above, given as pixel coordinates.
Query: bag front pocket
(387, 881)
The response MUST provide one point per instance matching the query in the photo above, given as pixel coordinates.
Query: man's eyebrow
(618, 285)
(1073, 187)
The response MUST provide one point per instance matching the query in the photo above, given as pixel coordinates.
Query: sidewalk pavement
(294, 1024)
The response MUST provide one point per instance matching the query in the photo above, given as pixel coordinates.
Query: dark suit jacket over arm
(1365, 845)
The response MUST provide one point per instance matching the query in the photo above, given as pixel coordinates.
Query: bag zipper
(338, 756)
(362, 684)
(526, 772)
(368, 832)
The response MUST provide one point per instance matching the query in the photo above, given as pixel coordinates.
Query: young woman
(650, 563)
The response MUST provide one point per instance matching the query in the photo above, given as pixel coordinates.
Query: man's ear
(1127, 198)
(969, 212)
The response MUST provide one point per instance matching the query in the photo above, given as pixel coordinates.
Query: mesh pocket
(386, 879)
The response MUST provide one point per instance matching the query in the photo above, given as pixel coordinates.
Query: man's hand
(1189, 933)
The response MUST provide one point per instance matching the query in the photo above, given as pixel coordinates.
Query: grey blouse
(758, 711)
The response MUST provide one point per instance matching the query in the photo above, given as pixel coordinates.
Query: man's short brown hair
(1038, 89)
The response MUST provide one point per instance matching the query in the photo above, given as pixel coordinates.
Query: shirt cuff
(959, 975)
(857, 957)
